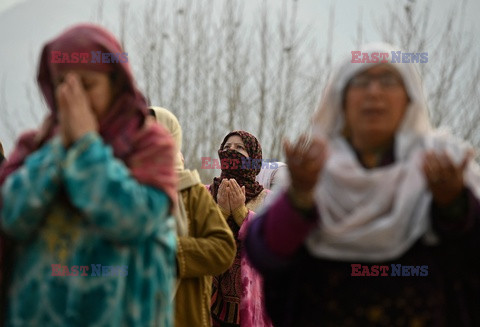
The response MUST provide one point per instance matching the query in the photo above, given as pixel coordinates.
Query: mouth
(372, 112)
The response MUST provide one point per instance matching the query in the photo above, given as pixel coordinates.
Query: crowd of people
(373, 220)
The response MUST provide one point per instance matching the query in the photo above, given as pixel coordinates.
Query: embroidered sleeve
(102, 188)
(28, 192)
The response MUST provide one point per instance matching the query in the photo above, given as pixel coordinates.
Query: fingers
(223, 198)
(67, 91)
(303, 143)
(223, 185)
(318, 150)
(236, 191)
(305, 161)
(75, 95)
(60, 96)
(439, 167)
(236, 194)
(235, 187)
(445, 179)
(434, 167)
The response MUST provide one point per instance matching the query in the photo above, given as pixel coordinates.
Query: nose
(374, 86)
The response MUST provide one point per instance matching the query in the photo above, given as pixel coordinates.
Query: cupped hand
(236, 195)
(444, 178)
(305, 160)
(222, 196)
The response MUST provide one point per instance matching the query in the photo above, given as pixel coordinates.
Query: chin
(378, 133)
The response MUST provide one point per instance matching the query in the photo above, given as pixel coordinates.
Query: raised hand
(444, 178)
(236, 194)
(76, 117)
(305, 159)
(222, 196)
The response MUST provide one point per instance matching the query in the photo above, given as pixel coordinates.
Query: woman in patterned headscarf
(237, 298)
(206, 245)
(87, 197)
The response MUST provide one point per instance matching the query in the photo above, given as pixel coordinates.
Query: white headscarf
(186, 178)
(376, 214)
(268, 176)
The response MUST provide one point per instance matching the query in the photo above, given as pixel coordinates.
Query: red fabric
(146, 149)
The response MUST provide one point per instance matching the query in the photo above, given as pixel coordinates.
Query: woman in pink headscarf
(86, 198)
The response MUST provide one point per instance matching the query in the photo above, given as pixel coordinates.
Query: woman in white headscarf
(378, 223)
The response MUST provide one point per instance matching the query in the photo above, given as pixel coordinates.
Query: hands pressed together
(76, 117)
(230, 195)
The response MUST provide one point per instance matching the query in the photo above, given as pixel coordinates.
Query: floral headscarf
(245, 169)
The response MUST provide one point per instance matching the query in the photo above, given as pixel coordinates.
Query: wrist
(225, 211)
(302, 200)
(239, 214)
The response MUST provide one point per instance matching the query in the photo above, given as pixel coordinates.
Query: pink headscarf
(145, 147)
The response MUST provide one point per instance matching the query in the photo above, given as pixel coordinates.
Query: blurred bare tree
(220, 69)
(453, 70)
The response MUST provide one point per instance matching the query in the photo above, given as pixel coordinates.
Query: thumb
(243, 190)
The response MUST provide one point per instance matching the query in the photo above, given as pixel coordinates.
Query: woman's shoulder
(198, 195)
(198, 190)
(255, 203)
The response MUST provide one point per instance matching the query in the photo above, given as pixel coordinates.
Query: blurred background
(256, 65)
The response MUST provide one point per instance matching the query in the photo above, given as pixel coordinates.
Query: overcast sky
(25, 25)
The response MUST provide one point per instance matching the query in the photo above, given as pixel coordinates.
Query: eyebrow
(385, 72)
(234, 143)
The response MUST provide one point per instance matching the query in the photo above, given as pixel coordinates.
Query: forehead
(234, 139)
(83, 73)
(380, 69)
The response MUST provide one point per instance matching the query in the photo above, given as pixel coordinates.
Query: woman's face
(375, 103)
(235, 142)
(97, 87)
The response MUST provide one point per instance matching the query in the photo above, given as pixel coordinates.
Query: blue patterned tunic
(82, 207)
